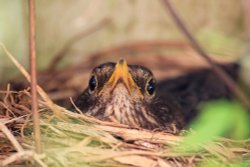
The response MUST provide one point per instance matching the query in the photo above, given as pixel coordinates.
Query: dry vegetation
(72, 139)
(76, 140)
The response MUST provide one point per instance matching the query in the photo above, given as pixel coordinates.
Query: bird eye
(150, 86)
(92, 83)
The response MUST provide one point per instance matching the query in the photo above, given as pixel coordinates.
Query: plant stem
(32, 53)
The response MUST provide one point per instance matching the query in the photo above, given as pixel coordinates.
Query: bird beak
(121, 73)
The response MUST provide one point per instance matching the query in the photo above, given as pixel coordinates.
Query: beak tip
(121, 61)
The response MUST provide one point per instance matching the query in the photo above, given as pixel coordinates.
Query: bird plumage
(128, 94)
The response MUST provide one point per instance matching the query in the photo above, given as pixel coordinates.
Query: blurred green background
(220, 25)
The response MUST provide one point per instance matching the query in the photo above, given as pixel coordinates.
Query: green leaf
(219, 118)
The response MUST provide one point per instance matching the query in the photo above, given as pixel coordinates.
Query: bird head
(123, 93)
(109, 80)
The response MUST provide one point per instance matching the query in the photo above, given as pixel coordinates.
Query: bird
(130, 95)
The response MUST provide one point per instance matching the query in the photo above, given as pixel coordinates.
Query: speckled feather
(174, 103)
(150, 112)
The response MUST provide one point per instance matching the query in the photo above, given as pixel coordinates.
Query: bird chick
(127, 94)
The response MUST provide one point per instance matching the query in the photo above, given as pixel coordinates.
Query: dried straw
(79, 140)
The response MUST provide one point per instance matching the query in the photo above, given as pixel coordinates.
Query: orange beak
(121, 72)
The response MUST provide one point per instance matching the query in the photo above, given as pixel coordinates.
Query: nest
(74, 139)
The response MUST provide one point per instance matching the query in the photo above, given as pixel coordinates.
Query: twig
(135, 134)
(41, 92)
(11, 137)
(33, 83)
(59, 56)
(237, 92)
(246, 11)
(17, 156)
(24, 155)
(138, 46)
(15, 119)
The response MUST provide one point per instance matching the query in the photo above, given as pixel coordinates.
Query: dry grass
(72, 139)
(83, 140)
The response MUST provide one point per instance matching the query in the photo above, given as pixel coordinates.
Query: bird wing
(190, 89)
